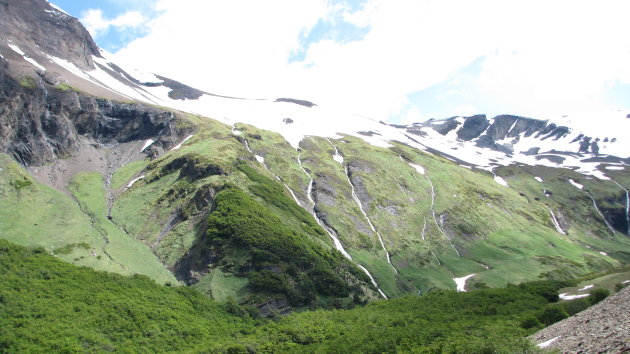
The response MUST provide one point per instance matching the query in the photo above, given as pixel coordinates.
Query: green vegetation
(64, 87)
(252, 242)
(598, 295)
(126, 173)
(128, 253)
(28, 82)
(49, 305)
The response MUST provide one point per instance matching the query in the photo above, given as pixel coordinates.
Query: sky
(401, 61)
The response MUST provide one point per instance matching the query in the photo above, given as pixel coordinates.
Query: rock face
(602, 328)
(56, 33)
(40, 123)
(492, 133)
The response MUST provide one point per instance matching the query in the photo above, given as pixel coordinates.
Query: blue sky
(396, 60)
(112, 38)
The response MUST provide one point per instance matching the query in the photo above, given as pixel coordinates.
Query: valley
(299, 227)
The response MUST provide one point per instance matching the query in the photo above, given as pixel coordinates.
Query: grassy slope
(503, 236)
(146, 208)
(131, 254)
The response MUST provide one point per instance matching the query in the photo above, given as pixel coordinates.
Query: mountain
(284, 203)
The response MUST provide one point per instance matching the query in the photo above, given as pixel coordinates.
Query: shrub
(598, 295)
(620, 286)
(551, 315)
(268, 281)
(530, 322)
(574, 306)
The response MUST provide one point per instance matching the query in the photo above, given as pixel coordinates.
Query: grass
(47, 218)
(132, 255)
(124, 174)
(64, 87)
(28, 82)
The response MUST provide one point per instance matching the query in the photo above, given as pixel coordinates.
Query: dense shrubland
(50, 305)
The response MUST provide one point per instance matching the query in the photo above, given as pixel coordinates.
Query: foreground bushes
(49, 305)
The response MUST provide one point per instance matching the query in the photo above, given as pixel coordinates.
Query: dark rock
(533, 151)
(298, 102)
(32, 23)
(40, 124)
(444, 127)
(368, 133)
(192, 166)
(473, 127)
(287, 120)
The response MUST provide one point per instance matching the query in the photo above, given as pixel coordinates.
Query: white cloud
(96, 24)
(538, 55)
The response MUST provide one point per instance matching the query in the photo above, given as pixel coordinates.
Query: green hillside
(49, 305)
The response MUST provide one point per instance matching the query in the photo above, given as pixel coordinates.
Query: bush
(598, 295)
(267, 281)
(551, 315)
(620, 286)
(574, 306)
(530, 322)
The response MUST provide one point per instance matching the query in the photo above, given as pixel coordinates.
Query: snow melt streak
(335, 239)
(555, 222)
(358, 201)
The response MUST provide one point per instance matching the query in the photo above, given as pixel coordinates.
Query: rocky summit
(283, 205)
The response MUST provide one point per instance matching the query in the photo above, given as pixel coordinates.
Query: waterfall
(436, 258)
(601, 214)
(627, 205)
(555, 221)
(358, 201)
(332, 233)
(435, 218)
(424, 228)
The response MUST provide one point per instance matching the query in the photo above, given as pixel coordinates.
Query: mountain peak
(37, 27)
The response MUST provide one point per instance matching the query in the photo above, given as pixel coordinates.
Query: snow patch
(625, 282)
(539, 179)
(26, 57)
(147, 144)
(16, 49)
(501, 181)
(603, 253)
(586, 287)
(418, 168)
(547, 343)
(259, 158)
(564, 296)
(575, 184)
(57, 8)
(180, 144)
(615, 168)
(134, 181)
(461, 282)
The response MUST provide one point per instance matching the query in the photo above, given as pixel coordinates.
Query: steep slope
(347, 208)
(602, 328)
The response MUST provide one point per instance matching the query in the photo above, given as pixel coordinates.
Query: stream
(332, 233)
(337, 157)
(601, 214)
(627, 205)
(435, 218)
(556, 224)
